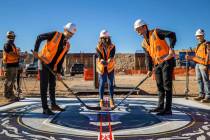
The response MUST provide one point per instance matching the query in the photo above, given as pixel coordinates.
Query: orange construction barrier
(180, 71)
(1, 72)
(88, 74)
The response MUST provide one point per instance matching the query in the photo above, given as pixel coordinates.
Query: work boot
(16, 99)
(101, 103)
(164, 112)
(21, 97)
(57, 108)
(48, 112)
(111, 103)
(198, 98)
(157, 109)
(205, 100)
(13, 98)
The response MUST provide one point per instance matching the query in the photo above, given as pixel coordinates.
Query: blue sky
(29, 18)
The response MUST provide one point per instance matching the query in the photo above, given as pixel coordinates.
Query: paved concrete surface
(131, 120)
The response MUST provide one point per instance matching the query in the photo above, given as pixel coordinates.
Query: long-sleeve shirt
(8, 49)
(162, 34)
(49, 36)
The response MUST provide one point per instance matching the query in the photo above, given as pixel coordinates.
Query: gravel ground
(30, 86)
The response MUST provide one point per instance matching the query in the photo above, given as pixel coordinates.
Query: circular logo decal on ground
(130, 120)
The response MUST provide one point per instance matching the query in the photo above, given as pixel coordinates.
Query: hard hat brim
(105, 36)
(199, 34)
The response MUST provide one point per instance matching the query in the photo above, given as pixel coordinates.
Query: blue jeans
(202, 77)
(103, 80)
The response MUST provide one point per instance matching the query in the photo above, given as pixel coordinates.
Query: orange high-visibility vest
(50, 49)
(201, 56)
(158, 49)
(8, 58)
(100, 67)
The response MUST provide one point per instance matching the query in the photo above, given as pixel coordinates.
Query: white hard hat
(104, 33)
(71, 27)
(199, 32)
(139, 23)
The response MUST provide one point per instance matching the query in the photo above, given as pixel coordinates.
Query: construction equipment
(67, 87)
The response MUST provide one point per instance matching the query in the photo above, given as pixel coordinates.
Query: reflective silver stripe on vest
(200, 58)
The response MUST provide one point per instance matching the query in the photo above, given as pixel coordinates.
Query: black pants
(163, 76)
(47, 78)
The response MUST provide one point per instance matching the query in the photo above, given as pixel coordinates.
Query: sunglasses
(105, 38)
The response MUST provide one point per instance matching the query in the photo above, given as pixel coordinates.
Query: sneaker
(111, 103)
(57, 108)
(157, 109)
(101, 103)
(164, 112)
(48, 112)
(205, 100)
(199, 98)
